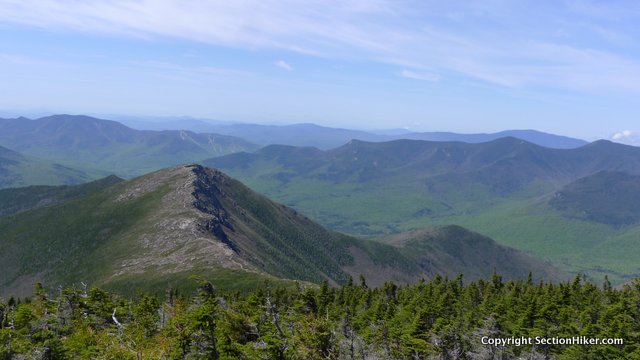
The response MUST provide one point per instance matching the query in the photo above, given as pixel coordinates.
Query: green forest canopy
(440, 318)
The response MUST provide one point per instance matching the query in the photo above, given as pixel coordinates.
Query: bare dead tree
(275, 318)
(115, 320)
(84, 289)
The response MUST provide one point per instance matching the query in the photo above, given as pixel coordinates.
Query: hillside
(17, 200)
(87, 142)
(19, 170)
(607, 197)
(186, 220)
(500, 189)
(452, 250)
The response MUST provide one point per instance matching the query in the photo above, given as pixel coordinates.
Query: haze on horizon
(566, 67)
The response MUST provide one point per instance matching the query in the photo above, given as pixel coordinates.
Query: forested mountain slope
(19, 170)
(17, 200)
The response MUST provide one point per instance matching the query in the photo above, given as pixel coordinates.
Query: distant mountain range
(100, 147)
(88, 143)
(167, 225)
(326, 138)
(501, 166)
(557, 203)
(532, 136)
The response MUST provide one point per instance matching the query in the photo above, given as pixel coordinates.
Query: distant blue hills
(322, 137)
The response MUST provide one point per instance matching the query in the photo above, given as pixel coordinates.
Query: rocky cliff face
(206, 199)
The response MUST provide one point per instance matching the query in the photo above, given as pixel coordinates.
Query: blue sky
(568, 67)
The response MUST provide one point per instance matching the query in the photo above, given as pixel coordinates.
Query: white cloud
(624, 135)
(426, 76)
(282, 64)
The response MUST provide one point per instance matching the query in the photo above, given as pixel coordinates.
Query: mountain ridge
(191, 219)
(444, 157)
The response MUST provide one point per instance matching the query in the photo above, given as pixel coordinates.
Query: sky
(566, 67)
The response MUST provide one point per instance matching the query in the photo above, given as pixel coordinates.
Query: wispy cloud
(426, 76)
(471, 40)
(21, 59)
(284, 65)
(190, 74)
